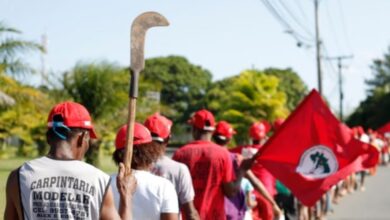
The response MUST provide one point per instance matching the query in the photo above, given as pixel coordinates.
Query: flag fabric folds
(312, 151)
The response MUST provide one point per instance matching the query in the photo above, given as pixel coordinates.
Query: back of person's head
(223, 133)
(160, 128)
(66, 120)
(257, 131)
(145, 151)
(202, 122)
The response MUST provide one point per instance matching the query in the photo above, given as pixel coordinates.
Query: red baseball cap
(360, 130)
(74, 115)
(257, 131)
(277, 123)
(158, 125)
(141, 136)
(204, 120)
(224, 130)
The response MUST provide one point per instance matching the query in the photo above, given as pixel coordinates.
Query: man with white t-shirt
(60, 185)
(155, 197)
(177, 173)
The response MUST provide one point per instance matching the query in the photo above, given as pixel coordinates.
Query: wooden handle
(130, 135)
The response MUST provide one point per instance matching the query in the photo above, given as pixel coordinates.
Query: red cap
(257, 131)
(277, 123)
(224, 130)
(141, 136)
(158, 125)
(74, 116)
(204, 120)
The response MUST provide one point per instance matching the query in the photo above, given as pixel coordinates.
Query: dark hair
(143, 155)
(163, 144)
(220, 141)
(256, 141)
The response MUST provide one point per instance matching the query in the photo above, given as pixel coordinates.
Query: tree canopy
(28, 117)
(11, 49)
(246, 98)
(373, 111)
(183, 84)
(291, 84)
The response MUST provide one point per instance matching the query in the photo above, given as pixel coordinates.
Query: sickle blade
(139, 27)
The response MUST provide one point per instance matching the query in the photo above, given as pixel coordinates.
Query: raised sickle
(139, 27)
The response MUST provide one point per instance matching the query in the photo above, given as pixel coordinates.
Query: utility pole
(340, 68)
(318, 47)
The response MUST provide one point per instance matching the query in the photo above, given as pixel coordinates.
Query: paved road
(373, 204)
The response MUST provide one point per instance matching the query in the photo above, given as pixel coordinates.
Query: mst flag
(313, 151)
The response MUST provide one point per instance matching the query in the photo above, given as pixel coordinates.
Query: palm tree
(11, 49)
(10, 60)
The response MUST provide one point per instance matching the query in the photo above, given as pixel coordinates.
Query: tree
(246, 98)
(183, 85)
(11, 49)
(102, 87)
(373, 111)
(27, 118)
(291, 84)
(380, 83)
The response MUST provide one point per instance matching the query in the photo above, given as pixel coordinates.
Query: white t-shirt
(61, 189)
(154, 195)
(179, 175)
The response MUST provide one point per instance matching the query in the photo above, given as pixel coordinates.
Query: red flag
(385, 130)
(312, 151)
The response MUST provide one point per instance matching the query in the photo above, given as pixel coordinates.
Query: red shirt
(210, 165)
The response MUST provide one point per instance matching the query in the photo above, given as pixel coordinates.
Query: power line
(332, 28)
(298, 3)
(292, 15)
(340, 67)
(330, 64)
(276, 14)
(344, 27)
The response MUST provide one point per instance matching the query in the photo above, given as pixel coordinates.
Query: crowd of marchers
(205, 179)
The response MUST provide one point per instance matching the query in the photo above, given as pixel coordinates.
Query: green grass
(7, 165)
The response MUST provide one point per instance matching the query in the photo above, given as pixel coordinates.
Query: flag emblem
(317, 162)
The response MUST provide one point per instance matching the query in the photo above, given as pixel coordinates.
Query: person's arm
(259, 186)
(126, 184)
(186, 194)
(12, 207)
(230, 189)
(108, 210)
(189, 211)
(169, 216)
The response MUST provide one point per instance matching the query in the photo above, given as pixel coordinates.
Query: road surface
(373, 204)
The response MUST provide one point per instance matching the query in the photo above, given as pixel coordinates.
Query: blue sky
(224, 37)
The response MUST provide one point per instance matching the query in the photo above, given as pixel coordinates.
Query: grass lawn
(7, 165)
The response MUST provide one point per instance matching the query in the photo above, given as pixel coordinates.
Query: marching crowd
(205, 179)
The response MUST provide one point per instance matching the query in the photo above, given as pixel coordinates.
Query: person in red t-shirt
(211, 168)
